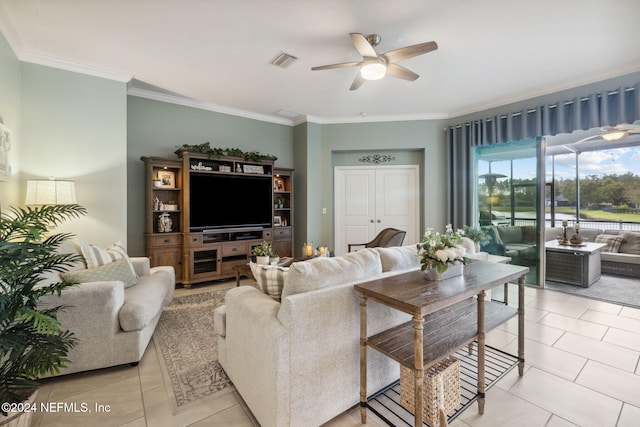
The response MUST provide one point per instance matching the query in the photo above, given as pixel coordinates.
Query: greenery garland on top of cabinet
(206, 148)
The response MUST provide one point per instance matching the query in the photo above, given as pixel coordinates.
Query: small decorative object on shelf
(164, 223)
(438, 252)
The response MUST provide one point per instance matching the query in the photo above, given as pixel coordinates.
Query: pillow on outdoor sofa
(117, 270)
(270, 278)
(95, 256)
(612, 241)
(630, 242)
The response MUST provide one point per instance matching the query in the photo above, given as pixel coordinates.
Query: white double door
(369, 199)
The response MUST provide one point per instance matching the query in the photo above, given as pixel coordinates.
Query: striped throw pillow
(612, 241)
(270, 278)
(96, 257)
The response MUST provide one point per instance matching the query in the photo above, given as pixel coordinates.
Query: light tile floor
(582, 369)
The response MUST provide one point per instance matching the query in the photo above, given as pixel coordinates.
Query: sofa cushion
(612, 241)
(95, 256)
(114, 271)
(620, 258)
(270, 278)
(511, 234)
(630, 243)
(399, 258)
(144, 301)
(323, 272)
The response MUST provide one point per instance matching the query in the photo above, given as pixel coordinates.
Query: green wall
(157, 128)
(419, 142)
(10, 113)
(73, 126)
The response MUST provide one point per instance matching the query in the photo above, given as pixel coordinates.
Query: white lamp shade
(50, 192)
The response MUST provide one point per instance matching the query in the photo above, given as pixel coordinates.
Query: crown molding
(374, 119)
(53, 62)
(188, 102)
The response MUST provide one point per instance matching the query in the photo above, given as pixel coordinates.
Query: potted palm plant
(32, 341)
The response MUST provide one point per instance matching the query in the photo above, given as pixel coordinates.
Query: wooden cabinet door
(169, 256)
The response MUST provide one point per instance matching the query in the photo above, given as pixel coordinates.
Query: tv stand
(232, 234)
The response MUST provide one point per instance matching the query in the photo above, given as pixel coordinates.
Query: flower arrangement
(440, 250)
(478, 235)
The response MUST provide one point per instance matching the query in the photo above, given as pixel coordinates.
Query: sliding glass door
(510, 202)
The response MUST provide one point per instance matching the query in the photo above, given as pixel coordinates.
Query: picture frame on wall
(167, 179)
(5, 147)
(277, 221)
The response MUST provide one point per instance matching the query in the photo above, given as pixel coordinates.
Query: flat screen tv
(220, 201)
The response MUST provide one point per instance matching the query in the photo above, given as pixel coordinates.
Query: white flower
(442, 255)
(451, 254)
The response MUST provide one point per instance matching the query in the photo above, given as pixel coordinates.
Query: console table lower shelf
(386, 403)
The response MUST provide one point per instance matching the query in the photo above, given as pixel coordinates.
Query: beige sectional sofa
(113, 321)
(295, 362)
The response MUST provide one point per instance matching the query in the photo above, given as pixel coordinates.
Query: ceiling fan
(614, 133)
(374, 66)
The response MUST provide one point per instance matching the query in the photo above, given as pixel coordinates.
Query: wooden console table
(446, 317)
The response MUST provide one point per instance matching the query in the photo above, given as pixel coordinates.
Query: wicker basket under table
(449, 370)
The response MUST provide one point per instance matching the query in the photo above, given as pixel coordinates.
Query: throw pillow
(630, 242)
(117, 270)
(612, 241)
(399, 258)
(270, 278)
(95, 256)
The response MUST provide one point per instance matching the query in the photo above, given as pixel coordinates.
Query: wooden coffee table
(243, 270)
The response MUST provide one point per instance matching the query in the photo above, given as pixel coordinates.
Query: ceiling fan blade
(409, 51)
(400, 72)
(342, 65)
(362, 44)
(357, 82)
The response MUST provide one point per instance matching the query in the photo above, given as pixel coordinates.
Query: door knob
(378, 221)
(371, 221)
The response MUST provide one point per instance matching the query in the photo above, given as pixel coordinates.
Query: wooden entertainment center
(179, 230)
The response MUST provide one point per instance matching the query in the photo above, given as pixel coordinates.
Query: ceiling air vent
(283, 60)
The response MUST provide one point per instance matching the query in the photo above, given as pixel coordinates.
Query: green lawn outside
(602, 215)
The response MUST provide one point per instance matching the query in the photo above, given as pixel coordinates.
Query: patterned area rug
(188, 348)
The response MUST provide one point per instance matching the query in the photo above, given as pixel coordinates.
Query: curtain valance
(607, 108)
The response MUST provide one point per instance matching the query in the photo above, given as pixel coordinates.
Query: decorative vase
(452, 271)
(263, 260)
(476, 246)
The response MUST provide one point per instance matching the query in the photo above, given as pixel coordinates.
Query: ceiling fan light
(373, 71)
(615, 135)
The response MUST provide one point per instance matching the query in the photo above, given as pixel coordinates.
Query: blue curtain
(607, 108)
